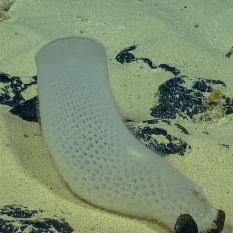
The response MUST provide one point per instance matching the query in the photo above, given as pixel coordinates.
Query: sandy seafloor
(193, 36)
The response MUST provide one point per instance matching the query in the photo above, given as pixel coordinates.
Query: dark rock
(17, 218)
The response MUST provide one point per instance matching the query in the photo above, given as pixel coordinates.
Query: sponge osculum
(97, 156)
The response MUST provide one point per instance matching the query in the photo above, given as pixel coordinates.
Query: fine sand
(193, 36)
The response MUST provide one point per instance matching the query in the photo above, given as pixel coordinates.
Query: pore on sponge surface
(98, 157)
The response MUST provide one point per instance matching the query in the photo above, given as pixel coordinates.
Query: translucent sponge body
(98, 157)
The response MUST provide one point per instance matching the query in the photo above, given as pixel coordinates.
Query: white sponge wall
(95, 153)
